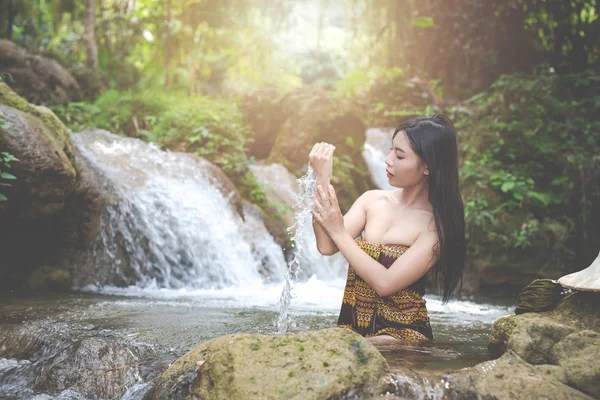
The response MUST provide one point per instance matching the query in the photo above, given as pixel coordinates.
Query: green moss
(291, 374)
(58, 131)
(255, 345)
(300, 348)
(325, 364)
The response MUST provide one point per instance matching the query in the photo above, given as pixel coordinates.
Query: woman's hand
(321, 161)
(326, 211)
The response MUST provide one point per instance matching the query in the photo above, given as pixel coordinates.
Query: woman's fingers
(317, 208)
(323, 198)
(332, 197)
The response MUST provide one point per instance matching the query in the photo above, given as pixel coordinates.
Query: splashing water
(302, 210)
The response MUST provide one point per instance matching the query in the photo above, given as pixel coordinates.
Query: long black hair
(433, 139)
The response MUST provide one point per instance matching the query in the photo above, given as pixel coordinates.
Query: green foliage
(529, 164)
(5, 161)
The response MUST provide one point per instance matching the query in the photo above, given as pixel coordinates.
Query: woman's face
(404, 167)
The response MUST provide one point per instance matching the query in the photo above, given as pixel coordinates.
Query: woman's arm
(321, 161)
(354, 222)
(406, 270)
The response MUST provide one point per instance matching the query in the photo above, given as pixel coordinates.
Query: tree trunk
(89, 36)
(11, 18)
(168, 47)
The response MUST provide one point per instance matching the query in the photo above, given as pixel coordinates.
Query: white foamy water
(376, 148)
(171, 227)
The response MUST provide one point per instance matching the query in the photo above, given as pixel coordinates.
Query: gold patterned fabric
(402, 315)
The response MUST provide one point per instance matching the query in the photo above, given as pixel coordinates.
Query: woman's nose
(387, 160)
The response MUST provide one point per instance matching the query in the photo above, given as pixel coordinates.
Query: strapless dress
(402, 315)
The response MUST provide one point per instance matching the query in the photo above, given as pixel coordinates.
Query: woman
(408, 234)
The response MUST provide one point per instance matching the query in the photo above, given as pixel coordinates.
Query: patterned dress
(402, 315)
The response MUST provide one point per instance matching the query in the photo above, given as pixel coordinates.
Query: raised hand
(321, 161)
(326, 210)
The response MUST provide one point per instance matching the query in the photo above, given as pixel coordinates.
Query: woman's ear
(426, 172)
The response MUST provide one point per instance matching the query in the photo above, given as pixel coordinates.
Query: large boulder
(46, 171)
(565, 340)
(326, 364)
(532, 335)
(509, 378)
(40, 79)
(578, 355)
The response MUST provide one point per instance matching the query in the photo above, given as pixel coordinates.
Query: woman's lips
(390, 176)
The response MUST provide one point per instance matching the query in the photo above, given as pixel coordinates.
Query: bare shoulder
(371, 197)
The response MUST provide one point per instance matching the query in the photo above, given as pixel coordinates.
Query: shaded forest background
(520, 78)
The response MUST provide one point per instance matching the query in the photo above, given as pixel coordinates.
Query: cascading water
(377, 146)
(172, 228)
(303, 207)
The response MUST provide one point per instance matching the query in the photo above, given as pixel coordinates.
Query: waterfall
(377, 147)
(172, 228)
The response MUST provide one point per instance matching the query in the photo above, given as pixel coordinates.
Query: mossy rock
(578, 355)
(533, 335)
(509, 378)
(57, 130)
(45, 170)
(325, 364)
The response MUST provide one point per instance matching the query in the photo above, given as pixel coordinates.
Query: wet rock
(280, 188)
(96, 367)
(508, 378)
(267, 225)
(50, 277)
(579, 354)
(326, 364)
(55, 357)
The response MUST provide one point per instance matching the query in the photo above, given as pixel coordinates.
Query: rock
(46, 170)
(326, 364)
(532, 335)
(280, 188)
(579, 354)
(40, 79)
(553, 371)
(508, 378)
(50, 277)
(533, 338)
(46, 178)
(95, 367)
(91, 361)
